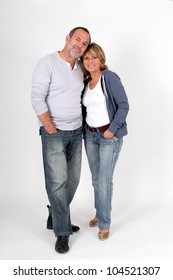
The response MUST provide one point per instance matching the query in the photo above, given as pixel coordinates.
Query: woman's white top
(95, 103)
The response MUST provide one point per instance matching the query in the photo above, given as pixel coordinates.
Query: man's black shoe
(49, 220)
(61, 245)
(50, 224)
(75, 228)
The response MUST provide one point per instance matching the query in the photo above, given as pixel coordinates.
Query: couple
(57, 83)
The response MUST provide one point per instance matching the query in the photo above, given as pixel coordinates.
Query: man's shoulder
(48, 57)
(46, 61)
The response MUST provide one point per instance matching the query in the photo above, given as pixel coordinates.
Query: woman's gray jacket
(116, 101)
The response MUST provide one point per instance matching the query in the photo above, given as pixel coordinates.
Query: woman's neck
(94, 79)
(95, 75)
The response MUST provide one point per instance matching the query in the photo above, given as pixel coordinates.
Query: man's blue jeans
(102, 154)
(62, 167)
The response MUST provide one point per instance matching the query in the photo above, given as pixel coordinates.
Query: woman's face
(91, 63)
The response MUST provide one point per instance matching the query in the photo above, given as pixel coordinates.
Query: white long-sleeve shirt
(57, 89)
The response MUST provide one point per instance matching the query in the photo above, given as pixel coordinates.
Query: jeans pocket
(43, 132)
(113, 137)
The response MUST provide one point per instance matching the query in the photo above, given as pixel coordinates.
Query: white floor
(138, 232)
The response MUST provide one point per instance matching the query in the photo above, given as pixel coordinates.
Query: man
(57, 83)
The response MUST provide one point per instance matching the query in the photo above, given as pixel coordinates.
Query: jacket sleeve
(117, 101)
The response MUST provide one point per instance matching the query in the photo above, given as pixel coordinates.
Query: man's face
(77, 44)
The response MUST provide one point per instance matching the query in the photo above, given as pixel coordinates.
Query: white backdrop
(137, 38)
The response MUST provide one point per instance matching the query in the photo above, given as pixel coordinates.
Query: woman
(106, 105)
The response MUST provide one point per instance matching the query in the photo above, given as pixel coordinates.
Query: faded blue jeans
(102, 154)
(62, 166)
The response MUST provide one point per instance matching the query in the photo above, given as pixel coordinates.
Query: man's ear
(67, 38)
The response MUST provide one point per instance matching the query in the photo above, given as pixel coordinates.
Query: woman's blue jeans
(62, 167)
(102, 154)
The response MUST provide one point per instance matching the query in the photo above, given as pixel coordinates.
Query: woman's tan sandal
(103, 235)
(94, 222)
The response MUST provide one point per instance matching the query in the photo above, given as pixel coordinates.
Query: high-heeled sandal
(93, 222)
(103, 235)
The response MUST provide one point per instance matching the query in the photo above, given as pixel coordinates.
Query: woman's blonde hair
(96, 51)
